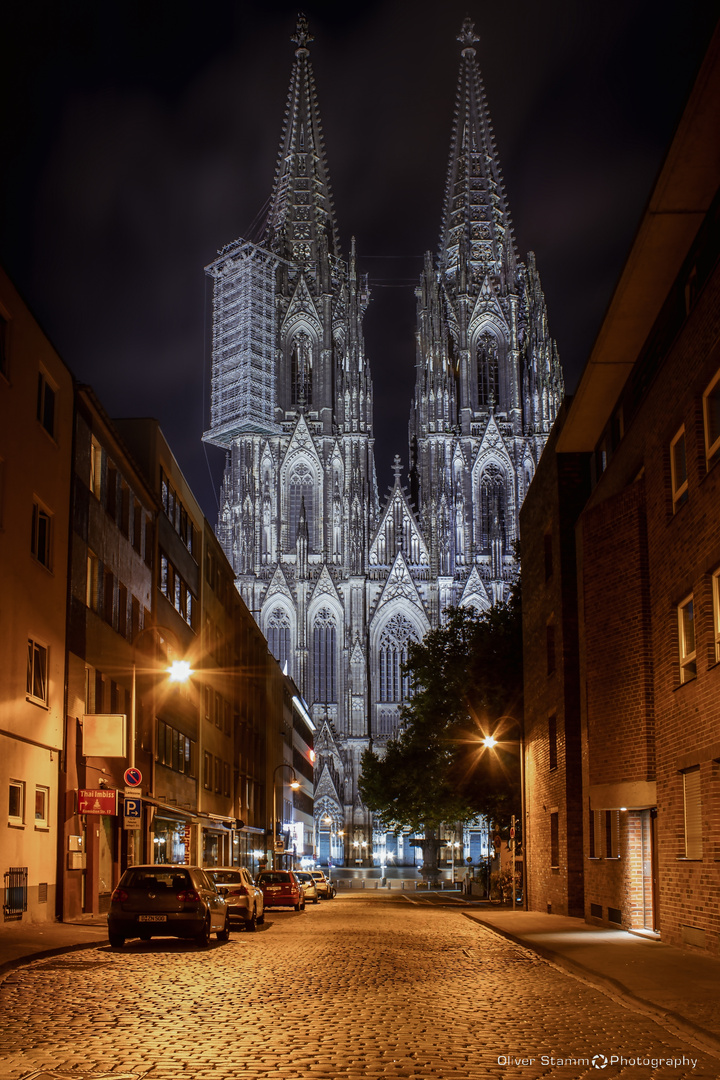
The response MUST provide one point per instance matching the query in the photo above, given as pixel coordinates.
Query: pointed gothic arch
(301, 370)
(301, 488)
(392, 652)
(278, 632)
(493, 509)
(324, 656)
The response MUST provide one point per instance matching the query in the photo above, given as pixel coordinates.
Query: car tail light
(118, 896)
(241, 891)
(189, 896)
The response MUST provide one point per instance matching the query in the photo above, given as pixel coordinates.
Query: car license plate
(273, 888)
(152, 918)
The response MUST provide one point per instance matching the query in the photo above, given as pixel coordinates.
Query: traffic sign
(133, 777)
(132, 813)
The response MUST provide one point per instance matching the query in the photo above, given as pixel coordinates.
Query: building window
(301, 489)
(218, 776)
(324, 642)
(42, 802)
(492, 507)
(16, 803)
(46, 404)
(711, 417)
(41, 532)
(111, 491)
(678, 470)
(552, 742)
(278, 636)
(92, 585)
(686, 640)
(176, 590)
(37, 667)
(226, 778)
(693, 813)
(394, 640)
(487, 371)
(207, 770)
(95, 467)
(612, 834)
(176, 512)
(554, 839)
(175, 750)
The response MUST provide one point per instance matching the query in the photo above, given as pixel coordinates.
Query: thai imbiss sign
(97, 801)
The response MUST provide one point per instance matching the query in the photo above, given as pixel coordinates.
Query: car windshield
(225, 877)
(318, 875)
(304, 877)
(156, 878)
(276, 877)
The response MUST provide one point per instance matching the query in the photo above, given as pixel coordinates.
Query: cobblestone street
(355, 988)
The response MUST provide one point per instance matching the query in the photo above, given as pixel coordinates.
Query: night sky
(140, 138)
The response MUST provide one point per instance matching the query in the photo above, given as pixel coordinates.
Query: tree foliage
(466, 677)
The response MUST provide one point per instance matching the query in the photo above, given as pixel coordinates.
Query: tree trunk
(430, 847)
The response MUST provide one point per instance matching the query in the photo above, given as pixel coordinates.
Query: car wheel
(224, 934)
(316, 900)
(261, 919)
(203, 938)
(251, 923)
(302, 904)
(116, 941)
(297, 906)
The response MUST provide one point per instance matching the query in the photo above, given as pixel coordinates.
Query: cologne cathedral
(339, 583)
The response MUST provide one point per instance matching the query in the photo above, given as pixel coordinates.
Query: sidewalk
(22, 941)
(681, 987)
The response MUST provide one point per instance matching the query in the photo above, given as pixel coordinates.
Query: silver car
(243, 898)
(324, 885)
(309, 885)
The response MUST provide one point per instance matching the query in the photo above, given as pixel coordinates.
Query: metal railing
(16, 888)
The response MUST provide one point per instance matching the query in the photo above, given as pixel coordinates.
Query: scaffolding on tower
(243, 343)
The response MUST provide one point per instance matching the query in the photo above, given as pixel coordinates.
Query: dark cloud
(140, 138)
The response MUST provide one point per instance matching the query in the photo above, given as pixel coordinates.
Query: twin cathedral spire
(338, 583)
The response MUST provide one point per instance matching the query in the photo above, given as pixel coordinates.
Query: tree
(466, 679)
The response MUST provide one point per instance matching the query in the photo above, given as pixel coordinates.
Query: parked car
(243, 898)
(325, 887)
(309, 885)
(167, 901)
(280, 888)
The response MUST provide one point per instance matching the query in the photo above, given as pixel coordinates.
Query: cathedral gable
(398, 531)
(325, 787)
(400, 589)
(325, 587)
(487, 309)
(475, 594)
(492, 448)
(301, 311)
(279, 587)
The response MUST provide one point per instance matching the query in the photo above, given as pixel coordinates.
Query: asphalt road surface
(357, 988)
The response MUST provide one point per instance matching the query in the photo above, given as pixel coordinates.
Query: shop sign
(97, 801)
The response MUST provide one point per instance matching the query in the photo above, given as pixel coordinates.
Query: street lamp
(294, 784)
(178, 672)
(490, 742)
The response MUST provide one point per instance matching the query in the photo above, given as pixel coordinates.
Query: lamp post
(490, 742)
(179, 671)
(294, 784)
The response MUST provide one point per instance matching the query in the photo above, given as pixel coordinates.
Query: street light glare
(490, 741)
(179, 671)
(294, 784)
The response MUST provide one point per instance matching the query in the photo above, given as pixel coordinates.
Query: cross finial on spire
(467, 36)
(397, 469)
(302, 36)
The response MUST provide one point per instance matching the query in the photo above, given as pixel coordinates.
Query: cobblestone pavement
(350, 989)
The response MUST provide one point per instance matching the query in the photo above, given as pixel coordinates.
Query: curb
(9, 965)
(710, 1042)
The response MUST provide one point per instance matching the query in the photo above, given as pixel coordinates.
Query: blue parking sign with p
(132, 813)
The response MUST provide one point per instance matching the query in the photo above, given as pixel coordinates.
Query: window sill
(16, 824)
(42, 828)
(685, 858)
(37, 701)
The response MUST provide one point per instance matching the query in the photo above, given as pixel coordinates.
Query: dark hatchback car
(280, 888)
(167, 901)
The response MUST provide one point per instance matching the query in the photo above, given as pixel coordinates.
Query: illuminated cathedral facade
(338, 582)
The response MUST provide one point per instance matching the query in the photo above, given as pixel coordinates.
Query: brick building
(621, 582)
